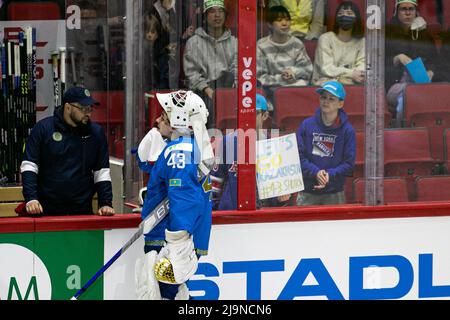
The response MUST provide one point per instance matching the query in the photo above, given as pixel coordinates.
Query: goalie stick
(155, 217)
(62, 71)
(71, 53)
(55, 69)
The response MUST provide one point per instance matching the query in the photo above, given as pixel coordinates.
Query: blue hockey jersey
(175, 175)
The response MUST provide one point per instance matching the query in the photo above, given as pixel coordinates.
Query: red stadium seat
(110, 115)
(293, 105)
(348, 190)
(428, 105)
(263, 28)
(433, 188)
(310, 46)
(118, 150)
(355, 107)
(395, 190)
(226, 105)
(111, 109)
(407, 154)
(359, 160)
(232, 17)
(446, 14)
(44, 10)
(226, 108)
(447, 147)
(358, 170)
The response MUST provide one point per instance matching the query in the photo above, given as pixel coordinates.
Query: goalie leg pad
(147, 287)
(177, 261)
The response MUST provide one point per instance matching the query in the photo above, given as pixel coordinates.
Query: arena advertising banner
(401, 258)
(405, 258)
(49, 265)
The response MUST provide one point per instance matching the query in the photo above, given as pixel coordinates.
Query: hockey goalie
(177, 154)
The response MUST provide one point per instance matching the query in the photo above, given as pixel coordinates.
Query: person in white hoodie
(210, 56)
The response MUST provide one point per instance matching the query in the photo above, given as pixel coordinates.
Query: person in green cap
(210, 56)
(407, 38)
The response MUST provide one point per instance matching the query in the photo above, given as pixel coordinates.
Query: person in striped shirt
(282, 59)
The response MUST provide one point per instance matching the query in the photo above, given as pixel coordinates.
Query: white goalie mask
(181, 106)
(187, 112)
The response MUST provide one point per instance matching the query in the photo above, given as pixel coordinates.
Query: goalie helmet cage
(247, 12)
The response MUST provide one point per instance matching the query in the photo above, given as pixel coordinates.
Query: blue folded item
(417, 71)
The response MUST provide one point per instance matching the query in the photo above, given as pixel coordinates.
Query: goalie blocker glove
(177, 260)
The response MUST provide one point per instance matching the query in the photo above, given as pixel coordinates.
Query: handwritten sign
(278, 170)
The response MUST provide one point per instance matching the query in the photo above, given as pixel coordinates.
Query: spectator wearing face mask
(407, 38)
(340, 53)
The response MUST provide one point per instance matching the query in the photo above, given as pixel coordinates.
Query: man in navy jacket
(326, 143)
(66, 161)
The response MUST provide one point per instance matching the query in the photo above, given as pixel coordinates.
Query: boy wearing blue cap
(66, 161)
(224, 176)
(326, 143)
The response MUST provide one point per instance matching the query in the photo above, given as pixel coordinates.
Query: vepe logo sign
(23, 275)
(247, 86)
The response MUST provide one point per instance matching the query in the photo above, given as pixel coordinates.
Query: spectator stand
(428, 105)
(395, 190)
(432, 188)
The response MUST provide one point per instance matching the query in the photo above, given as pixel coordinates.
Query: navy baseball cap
(80, 95)
(333, 87)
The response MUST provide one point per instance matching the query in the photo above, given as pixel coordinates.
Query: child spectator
(405, 43)
(156, 57)
(282, 59)
(307, 17)
(340, 54)
(224, 175)
(210, 57)
(326, 143)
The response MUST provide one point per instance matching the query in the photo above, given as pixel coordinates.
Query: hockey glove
(177, 261)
